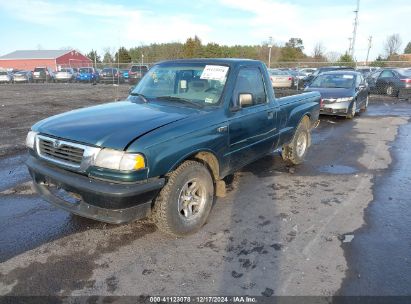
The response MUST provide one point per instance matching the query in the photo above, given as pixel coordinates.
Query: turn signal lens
(119, 160)
(132, 162)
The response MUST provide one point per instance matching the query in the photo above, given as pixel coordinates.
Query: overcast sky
(95, 24)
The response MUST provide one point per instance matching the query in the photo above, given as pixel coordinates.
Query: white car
(280, 79)
(65, 75)
(307, 71)
(6, 77)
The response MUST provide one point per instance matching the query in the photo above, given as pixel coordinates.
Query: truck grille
(60, 151)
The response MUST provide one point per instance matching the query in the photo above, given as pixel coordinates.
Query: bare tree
(392, 45)
(319, 50)
(332, 56)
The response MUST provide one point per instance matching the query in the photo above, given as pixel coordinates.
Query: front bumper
(86, 78)
(337, 108)
(63, 78)
(21, 79)
(100, 200)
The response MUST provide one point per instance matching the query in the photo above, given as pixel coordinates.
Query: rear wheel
(184, 203)
(295, 151)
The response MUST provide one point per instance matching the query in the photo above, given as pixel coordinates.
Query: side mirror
(245, 100)
(131, 89)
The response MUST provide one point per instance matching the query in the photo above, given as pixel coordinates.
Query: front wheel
(295, 151)
(365, 106)
(184, 203)
(352, 110)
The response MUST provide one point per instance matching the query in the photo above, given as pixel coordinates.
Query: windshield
(3, 73)
(109, 70)
(65, 70)
(194, 83)
(85, 70)
(345, 81)
(39, 69)
(277, 72)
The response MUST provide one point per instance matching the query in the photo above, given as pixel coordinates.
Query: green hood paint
(113, 125)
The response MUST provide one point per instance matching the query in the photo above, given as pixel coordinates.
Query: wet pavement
(278, 231)
(379, 257)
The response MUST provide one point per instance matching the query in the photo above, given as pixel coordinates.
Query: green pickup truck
(164, 151)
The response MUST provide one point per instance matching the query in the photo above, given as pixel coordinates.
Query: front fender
(165, 156)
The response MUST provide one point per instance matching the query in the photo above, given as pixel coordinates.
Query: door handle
(270, 114)
(222, 129)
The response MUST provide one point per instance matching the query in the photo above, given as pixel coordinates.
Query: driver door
(252, 128)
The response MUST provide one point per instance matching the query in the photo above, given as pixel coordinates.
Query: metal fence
(290, 64)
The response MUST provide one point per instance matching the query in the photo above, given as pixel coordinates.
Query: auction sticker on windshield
(214, 72)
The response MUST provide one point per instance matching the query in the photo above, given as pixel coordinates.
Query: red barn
(54, 59)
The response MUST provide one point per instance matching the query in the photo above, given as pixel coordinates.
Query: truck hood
(332, 92)
(112, 125)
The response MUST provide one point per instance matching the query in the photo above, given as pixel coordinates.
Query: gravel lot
(22, 105)
(278, 231)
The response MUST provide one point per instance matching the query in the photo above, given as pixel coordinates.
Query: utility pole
(369, 48)
(349, 45)
(354, 33)
(270, 45)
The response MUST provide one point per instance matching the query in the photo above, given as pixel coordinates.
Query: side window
(250, 80)
(358, 81)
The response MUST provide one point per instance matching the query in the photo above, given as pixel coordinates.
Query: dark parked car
(136, 73)
(23, 76)
(390, 81)
(43, 74)
(111, 75)
(343, 93)
(298, 78)
(307, 80)
(365, 70)
(167, 148)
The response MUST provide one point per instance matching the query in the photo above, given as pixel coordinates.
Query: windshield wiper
(180, 99)
(144, 98)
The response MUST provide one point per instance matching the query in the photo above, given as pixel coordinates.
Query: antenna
(369, 48)
(354, 33)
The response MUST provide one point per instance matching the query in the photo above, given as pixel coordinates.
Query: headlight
(119, 160)
(344, 99)
(31, 139)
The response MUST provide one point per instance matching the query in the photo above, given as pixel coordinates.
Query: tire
(295, 151)
(171, 213)
(352, 110)
(390, 90)
(365, 106)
